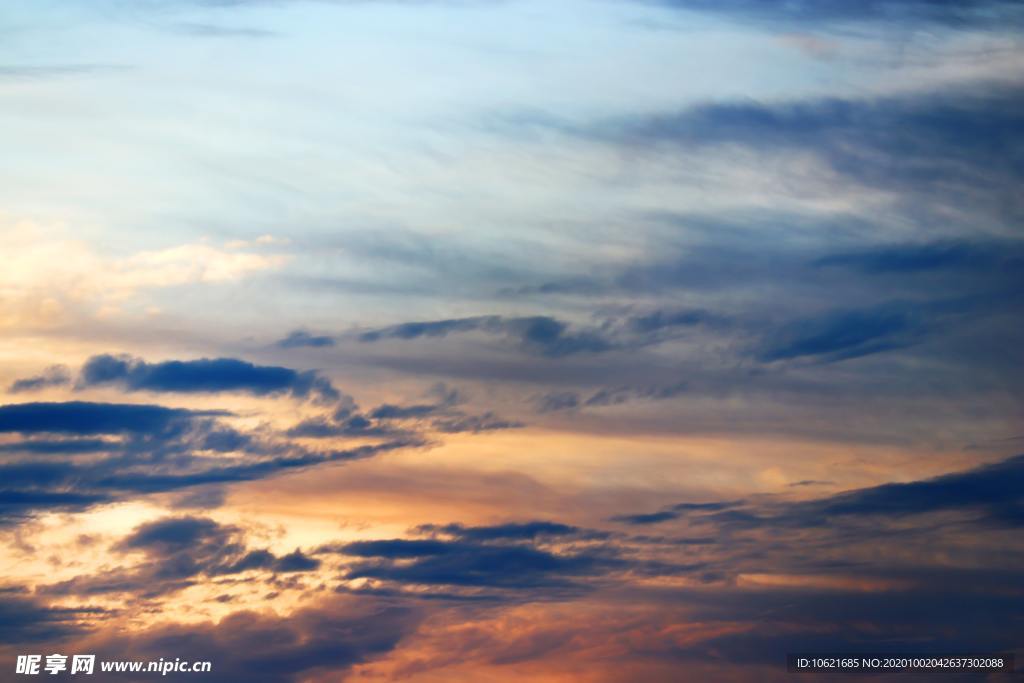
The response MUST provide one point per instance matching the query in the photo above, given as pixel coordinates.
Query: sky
(510, 340)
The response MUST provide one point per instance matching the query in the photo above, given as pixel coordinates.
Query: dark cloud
(743, 255)
(540, 335)
(917, 575)
(251, 647)
(513, 556)
(551, 337)
(388, 411)
(58, 447)
(648, 518)
(394, 548)
(560, 400)
(486, 422)
(953, 148)
(389, 419)
(731, 310)
(53, 376)
(662, 319)
(991, 495)
(205, 498)
(445, 399)
(210, 471)
(913, 314)
(354, 426)
(995, 492)
(178, 552)
(160, 450)
(919, 566)
(295, 561)
(169, 535)
(928, 256)
(674, 512)
(301, 338)
(77, 417)
(783, 12)
(205, 375)
(16, 504)
(224, 439)
(475, 565)
(926, 619)
(433, 328)
(25, 620)
(839, 335)
(526, 531)
(608, 396)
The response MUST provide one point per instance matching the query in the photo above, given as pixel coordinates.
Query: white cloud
(46, 273)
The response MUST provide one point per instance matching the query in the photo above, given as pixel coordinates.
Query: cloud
(513, 531)
(473, 565)
(189, 263)
(389, 419)
(205, 375)
(847, 572)
(16, 505)
(393, 548)
(389, 411)
(156, 449)
(647, 518)
(203, 30)
(996, 491)
(53, 376)
(662, 319)
(174, 534)
(992, 495)
(927, 256)
(301, 338)
(929, 618)
(675, 512)
(952, 148)
(607, 396)
(561, 400)
(550, 337)
(58, 447)
(540, 335)
(613, 396)
(178, 552)
(81, 418)
(354, 426)
(34, 72)
(486, 422)
(733, 310)
(201, 499)
(961, 14)
(295, 561)
(841, 335)
(210, 471)
(433, 328)
(49, 279)
(253, 647)
(445, 399)
(875, 568)
(506, 557)
(26, 620)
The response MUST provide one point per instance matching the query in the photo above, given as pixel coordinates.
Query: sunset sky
(587, 341)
